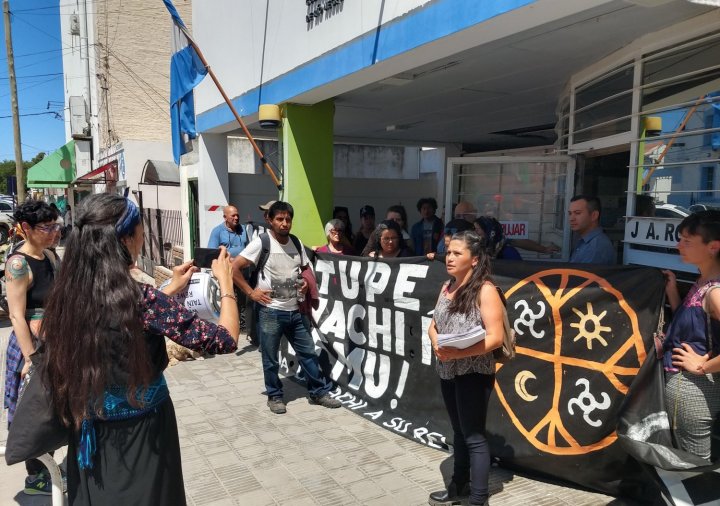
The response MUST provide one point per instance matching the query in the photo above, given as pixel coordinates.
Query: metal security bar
(163, 237)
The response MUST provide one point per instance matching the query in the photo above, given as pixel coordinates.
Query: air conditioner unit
(79, 124)
(74, 24)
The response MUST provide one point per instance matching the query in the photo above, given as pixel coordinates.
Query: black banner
(582, 338)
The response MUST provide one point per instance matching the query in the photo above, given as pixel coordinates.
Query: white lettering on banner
(363, 332)
(381, 328)
(515, 229)
(356, 312)
(426, 343)
(335, 322)
(376, 279)
(662, 232)
(349, 291)
(399, 333)
(324, 267)
(403, 285)
(376, 384)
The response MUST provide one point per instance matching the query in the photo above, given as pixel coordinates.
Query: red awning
(105, 174)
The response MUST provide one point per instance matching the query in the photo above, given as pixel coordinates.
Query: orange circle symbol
(599, 350)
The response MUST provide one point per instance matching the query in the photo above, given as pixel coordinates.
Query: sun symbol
(585, 321)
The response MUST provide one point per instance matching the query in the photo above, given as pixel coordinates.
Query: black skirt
(137, 462)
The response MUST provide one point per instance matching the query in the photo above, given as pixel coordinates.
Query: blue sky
(38, 66)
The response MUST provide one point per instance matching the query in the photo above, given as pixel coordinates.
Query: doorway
(605, 175)
(194, 213)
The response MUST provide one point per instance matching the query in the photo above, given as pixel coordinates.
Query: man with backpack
(279, 258)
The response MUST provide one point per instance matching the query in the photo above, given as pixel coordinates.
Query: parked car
(705, 206)
(671, 211)
(6, 220)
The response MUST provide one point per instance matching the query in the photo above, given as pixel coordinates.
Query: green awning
(54, 171)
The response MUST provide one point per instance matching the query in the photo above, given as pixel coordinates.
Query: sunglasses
(48, 228)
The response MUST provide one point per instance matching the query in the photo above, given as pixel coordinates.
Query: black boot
(454, 494)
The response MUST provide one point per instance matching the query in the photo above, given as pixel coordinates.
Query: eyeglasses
(390, 239)
(336, 231)
(47, 229)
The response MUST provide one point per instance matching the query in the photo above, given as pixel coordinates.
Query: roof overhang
(54, 171)
(160, 173)
(104, 174)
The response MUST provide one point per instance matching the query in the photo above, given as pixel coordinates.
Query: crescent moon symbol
(521, 387)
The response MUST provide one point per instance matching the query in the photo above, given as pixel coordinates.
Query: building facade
(528, 102)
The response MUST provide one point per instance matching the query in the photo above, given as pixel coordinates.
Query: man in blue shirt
(229, 233)
(594, 247)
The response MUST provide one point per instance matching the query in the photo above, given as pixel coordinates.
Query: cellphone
(203, 257)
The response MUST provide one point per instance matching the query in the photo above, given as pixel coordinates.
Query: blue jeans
(272, 324)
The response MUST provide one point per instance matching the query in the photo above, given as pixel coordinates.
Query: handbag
(506, 352)
(36, 429)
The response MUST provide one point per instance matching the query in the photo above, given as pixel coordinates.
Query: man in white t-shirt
(276, 293)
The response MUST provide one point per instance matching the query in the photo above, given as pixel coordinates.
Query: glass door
(528, 195)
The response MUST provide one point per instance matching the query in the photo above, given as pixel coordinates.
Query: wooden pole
(257, 149)
(679, 129)
(19, 168)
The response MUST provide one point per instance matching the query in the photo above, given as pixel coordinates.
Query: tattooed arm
(18, 279)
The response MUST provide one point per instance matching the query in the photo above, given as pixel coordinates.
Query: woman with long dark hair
(692, 343)
(105, 355)
(386, 242)
(29, 275)
(469, 300)
(398, 214)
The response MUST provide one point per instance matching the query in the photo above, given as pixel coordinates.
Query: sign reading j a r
(652, 231)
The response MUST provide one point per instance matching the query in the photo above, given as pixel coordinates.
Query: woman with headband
(105, 355)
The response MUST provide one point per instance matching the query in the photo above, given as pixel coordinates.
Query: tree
(7, 168)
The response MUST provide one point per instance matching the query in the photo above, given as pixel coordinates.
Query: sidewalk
(235, 451)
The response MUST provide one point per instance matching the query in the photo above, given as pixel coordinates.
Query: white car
(670, 211)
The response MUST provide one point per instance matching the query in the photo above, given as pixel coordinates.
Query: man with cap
(229, 233)
(367, 225)
(253, 229)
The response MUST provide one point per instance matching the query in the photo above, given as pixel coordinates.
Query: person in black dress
(105, 355)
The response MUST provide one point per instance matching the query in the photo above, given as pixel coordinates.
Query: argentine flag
(186, 72)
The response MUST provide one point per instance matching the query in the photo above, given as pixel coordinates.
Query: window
(603, 107)
(708, 182)
(681, 93)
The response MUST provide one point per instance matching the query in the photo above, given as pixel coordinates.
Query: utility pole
(19, 169)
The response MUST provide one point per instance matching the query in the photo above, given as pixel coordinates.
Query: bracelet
(231, 295)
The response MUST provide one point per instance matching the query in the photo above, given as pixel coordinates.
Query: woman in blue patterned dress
(467, 376)
(105, 355)
(692, 342)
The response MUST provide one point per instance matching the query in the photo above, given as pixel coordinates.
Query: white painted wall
(248, 191)
(233, 37)
(231, 34)
(79, 57)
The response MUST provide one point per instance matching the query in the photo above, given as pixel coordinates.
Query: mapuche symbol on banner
(563, 387)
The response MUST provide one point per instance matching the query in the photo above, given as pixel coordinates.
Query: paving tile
(234, 451)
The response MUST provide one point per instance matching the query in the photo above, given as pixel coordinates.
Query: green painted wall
(307, 150)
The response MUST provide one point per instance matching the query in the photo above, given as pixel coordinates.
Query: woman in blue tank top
(692, 342)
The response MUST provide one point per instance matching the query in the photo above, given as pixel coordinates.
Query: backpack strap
(264, 254)
(54, 260)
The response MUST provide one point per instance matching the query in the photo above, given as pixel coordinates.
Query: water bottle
(298, 285)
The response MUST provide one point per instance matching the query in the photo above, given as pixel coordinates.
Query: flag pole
(257, 149)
